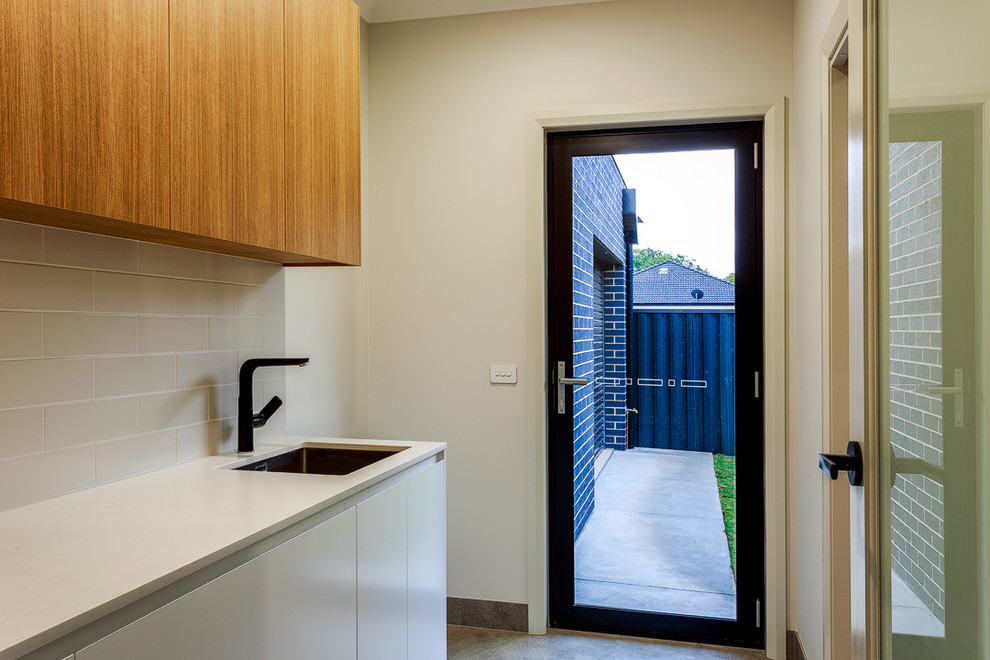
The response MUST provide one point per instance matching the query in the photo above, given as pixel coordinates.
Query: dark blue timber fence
(685, 380)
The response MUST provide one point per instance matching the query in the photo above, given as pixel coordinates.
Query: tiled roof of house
(670, 283)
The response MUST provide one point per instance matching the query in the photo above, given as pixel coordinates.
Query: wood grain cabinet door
(84, 121)
(227, 117)
(323, 129)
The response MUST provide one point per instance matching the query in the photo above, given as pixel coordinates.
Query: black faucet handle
(262, 417)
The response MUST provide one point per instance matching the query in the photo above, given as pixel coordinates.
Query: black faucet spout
(247, 420)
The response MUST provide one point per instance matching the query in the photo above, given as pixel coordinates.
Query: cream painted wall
(446, 253)
(805, 549)
(939, 47)
(326, 318)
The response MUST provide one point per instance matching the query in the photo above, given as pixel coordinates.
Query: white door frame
(773, 112)
(835, 354)
(865, 411)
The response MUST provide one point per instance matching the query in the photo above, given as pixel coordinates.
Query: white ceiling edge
(388, 11)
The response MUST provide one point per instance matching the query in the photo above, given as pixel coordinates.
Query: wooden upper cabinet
(27, 122)
(223, 125)
(227, 115)
(84, 121)
(323, 129)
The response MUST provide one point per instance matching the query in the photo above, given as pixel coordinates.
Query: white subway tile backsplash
(172, 409)
(172, 261)
(197, 441)
(22, 432)
(206, 369)
(89, 334)
(272, 275)
(274, 429)
(89, 422)
(232, 333)
(169, 334)
(120, 376)
(36, 477)
(223, 401)
(274, 333)
(235, 269)
(118, 357)
(222, 333)
(124, 458)
(260, 301)
(228, 435)
(31, 287)
(136, 294)
(274, 387)
(20, 242)
(26, 383)
(215, 298)
(73, 248)
(21, 335)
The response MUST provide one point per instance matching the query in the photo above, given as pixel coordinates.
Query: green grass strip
(725, 474)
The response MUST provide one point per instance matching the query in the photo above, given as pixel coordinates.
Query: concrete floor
(478, 644)
(656, 539)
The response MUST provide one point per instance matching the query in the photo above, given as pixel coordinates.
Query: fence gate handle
(562, 383)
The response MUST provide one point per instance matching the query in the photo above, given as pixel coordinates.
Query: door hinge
(759, 623)
(756, 155)
(756, 384)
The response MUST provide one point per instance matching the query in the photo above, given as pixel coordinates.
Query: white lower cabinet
(296, 601)
(382, 569)
(402, 570)
(368, 584)
(426, 524)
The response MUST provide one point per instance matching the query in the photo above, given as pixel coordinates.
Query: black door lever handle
(851, 462)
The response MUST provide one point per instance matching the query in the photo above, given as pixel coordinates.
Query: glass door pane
(934, 85)
(655, 489)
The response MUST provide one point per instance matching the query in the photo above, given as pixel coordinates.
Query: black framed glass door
(656, 421)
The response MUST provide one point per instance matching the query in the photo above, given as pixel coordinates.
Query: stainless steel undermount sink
(322, 459)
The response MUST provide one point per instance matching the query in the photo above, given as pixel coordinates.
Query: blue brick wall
(597, 201)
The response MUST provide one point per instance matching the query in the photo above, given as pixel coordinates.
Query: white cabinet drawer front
(427, 541)
(296, 601)
(382, 576)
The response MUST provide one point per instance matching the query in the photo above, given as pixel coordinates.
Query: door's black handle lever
(850, 462)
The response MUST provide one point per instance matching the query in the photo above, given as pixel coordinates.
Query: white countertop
(70, 560)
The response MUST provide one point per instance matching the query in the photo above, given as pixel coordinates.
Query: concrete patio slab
(655, 599)
(656, 540)
(908, 614)
(655, 550)
(660, 481)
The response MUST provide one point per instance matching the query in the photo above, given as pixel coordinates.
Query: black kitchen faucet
(247, 420)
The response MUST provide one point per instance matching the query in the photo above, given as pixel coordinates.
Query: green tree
(646, 257)
(731, 277)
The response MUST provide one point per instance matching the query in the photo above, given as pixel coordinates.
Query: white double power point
(502, 373)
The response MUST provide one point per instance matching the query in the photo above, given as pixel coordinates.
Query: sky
(686, 200)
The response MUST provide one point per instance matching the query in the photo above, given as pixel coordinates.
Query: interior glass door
(934, 86)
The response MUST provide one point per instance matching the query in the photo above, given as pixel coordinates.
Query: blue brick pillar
(615, 358)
